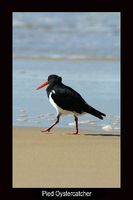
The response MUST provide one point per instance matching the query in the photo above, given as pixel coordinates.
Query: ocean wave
(66, 58)
(21, 24)
(53, 25)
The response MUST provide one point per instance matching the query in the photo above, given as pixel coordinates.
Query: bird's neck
(53, 87)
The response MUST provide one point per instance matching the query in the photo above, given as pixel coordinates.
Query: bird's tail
(94, 112)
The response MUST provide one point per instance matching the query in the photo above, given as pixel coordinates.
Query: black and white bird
(66, 101)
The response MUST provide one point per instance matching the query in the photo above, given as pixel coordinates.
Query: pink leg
(56, 122)
(76, 122)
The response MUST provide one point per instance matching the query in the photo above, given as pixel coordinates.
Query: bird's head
(52, 79)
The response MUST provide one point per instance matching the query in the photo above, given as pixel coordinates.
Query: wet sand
(62, 159)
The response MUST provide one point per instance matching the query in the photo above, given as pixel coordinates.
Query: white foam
(107, 128)
(88, 122)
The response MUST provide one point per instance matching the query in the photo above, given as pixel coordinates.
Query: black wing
(68, 99)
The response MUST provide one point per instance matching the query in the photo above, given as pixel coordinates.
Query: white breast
(52, 101)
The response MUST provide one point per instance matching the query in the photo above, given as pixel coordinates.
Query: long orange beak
(43, 85)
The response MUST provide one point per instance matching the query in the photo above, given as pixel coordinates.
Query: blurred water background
(83, 48)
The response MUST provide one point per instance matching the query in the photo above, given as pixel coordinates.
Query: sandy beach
(62, 159)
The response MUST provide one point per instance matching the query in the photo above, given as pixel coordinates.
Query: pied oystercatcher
(66, 101)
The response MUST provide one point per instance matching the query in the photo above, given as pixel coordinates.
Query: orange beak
(43, 85)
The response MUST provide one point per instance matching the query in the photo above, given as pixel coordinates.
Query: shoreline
(72, 129)
(62, 159)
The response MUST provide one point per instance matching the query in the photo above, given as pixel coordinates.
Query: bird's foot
(73, 133)
(76, 133)
(47, 130)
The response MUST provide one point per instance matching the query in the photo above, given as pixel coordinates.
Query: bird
(66, 101)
